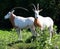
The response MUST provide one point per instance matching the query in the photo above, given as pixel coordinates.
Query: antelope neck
(37, 22)
(12, 20)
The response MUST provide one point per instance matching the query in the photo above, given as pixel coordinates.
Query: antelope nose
(36, 17)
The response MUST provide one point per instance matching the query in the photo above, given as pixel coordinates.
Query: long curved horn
(38, 6)
(34, 6)
(19, 8)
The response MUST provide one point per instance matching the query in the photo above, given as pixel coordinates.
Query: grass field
(41, 42)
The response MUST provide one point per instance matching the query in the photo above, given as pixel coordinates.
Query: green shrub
(42, 41)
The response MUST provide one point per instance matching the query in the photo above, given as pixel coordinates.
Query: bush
(42, 41)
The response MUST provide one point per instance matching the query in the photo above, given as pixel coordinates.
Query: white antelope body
(20, 23)
(45, 22)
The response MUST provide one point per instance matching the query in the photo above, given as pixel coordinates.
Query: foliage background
(50, 8)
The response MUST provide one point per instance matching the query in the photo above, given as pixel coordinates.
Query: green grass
(7, 37)
(40, 42)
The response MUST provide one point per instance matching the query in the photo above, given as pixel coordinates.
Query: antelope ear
(40, 10)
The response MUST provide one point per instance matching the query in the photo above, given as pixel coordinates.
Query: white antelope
(20, 23)
(43, 22)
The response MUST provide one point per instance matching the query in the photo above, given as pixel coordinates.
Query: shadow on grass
(19, 41)
(29, 40)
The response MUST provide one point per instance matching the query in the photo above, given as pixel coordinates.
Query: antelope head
(9, 14)
(36, 10)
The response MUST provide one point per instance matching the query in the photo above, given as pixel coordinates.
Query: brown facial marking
(37, 22)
